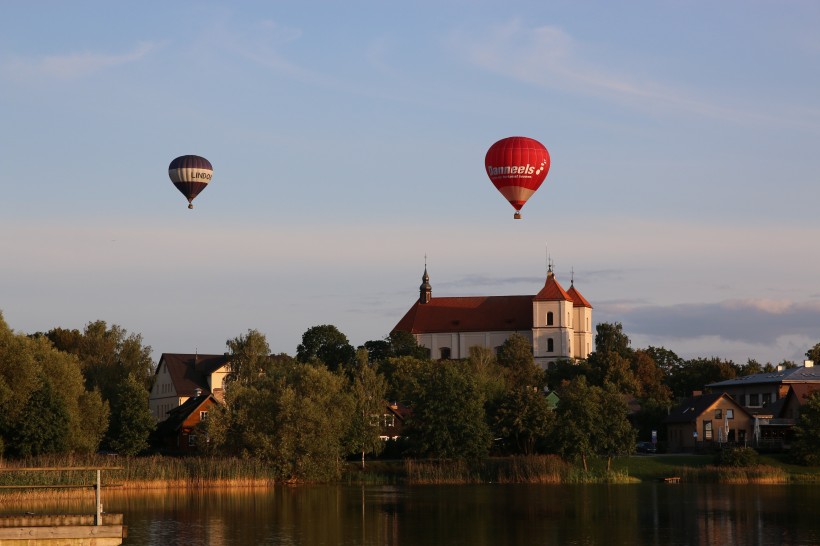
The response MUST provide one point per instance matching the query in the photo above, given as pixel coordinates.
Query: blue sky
(348, 141)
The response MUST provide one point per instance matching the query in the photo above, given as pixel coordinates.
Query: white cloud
(74, 65)
(550, 58)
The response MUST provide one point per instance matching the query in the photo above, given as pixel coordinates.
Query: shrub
(739, 457)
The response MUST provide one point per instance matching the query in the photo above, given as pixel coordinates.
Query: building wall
(163, 396)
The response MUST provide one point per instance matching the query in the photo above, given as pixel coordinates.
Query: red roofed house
(183, 376)
(558, 322)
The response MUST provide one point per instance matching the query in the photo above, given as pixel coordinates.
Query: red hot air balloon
(517, 166)
(190, 174)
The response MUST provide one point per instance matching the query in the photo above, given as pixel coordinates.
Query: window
(767, 398)
(730, 414)
(374, 420)
(754, 400)
(445, 353)
(389, 420)
(203, 415)
(191, 440)
(550, 345)
(707, 430)
(549, 318)
(718, 413)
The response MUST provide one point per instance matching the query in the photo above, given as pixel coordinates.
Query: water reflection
(497, 515)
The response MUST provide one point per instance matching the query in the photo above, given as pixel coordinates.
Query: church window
(549, 318)
(550, 345)
(445, 353)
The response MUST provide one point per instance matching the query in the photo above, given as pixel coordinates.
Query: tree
(592, 420)
(699, 372)
(44, 407)
(515, 357)
(296, 417)
(448, 414)
(368, 389)
(806, 445)
(250, 356)
(813, 354)
(522, 421)
(398, 343)
(611, 362)
(326, 344)
(131, 421)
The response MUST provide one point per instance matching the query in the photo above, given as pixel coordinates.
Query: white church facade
(557, 322)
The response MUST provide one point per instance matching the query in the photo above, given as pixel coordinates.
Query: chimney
(696, 393)
(808, 363)
(780, 367)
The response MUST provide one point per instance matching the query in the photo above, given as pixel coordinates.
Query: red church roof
(577, 299)
(552, 291)
(469, 314)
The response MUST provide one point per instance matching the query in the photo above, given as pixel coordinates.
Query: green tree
(44, 407)
(448, 419)
(515, 357)
(695, 374)
(611, 362)
(522, 421)
(249, 356)
(813, 354)
(326, 344)
(398, 343)
(368, 389)
(806, 445)
(592, 421)
(131, 423)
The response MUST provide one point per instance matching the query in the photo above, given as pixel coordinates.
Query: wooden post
(98, 518)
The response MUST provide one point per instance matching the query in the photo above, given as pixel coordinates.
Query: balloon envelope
(517, 166)
(190, 174)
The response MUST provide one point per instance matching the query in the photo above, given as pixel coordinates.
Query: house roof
(802, 391)
(178, 415)
(689, 410)
(469, 314)
(552, 291)
(577, 299)
(788, 375)
(190, 372)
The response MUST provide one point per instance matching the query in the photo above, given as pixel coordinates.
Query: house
(557, 322)
(759, 392)
(180, 377)
(707, 420)
(178, 431)
(391, 421)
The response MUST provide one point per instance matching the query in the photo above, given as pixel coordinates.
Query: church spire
(425, 290)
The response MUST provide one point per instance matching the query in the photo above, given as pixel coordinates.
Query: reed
(758, 474)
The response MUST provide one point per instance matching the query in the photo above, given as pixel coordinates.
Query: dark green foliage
(131, 420)
(515, 357)
(695, 374)
(806, 445)
(250, 356)
(448, 414)
(522, 421)
(43, 427)
(326, 344)
(398, 343)
(739, 457)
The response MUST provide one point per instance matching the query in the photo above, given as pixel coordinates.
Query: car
(646, 447)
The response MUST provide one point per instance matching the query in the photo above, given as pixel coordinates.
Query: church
(557, 322)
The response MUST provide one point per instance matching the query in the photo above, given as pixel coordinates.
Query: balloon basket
(190, 205)
(517, 215)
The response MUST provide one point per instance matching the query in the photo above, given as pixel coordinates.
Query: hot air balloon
(517, 166)
(190, 174)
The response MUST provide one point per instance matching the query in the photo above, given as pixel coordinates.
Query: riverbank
(158, 472)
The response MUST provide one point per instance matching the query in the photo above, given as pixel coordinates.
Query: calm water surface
(491, 515)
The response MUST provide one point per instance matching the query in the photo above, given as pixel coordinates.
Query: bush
(739, 457)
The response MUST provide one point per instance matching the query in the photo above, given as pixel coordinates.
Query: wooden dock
(98, 529)
(63, 530)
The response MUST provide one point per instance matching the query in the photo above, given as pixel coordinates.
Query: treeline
(67, 391)
(70, 391)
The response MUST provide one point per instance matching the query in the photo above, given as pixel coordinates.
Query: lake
(474, 515)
